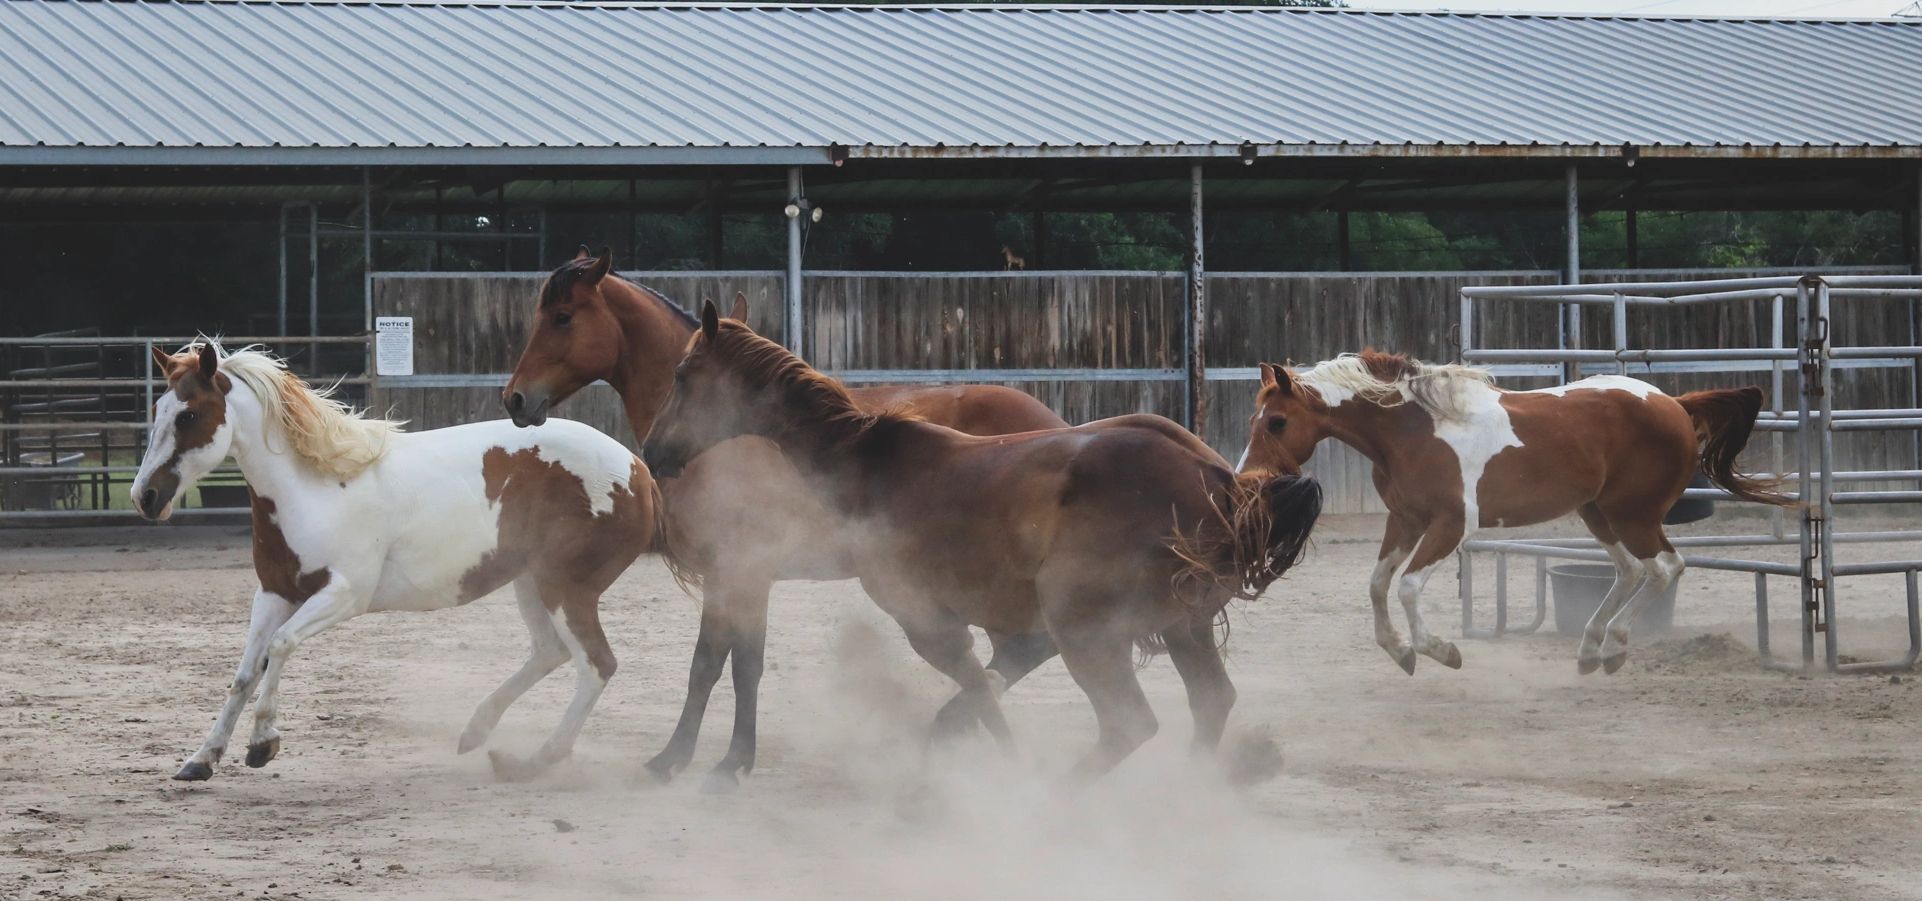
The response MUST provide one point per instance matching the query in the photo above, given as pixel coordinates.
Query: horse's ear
(209, 362)
(710, 319)
(602, 264)
(582, 254)
(740, 307)
(1274, 374)
(162, 359)
(1267, 375)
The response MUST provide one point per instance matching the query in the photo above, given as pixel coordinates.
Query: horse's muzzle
(523, 411)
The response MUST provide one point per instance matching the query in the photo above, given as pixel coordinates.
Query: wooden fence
(469, 329)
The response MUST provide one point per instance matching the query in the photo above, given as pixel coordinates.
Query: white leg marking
(270, 612)
(332, 605)
(548, 652)
(1663, 569)
(1424, 642)
(1628, 575)
(587, 689)
(1378, 585)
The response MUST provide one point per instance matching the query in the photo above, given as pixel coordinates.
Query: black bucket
(1691, 509)
(1580, 587)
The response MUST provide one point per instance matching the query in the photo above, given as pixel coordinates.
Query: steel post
(794, 327)
(1195, 410)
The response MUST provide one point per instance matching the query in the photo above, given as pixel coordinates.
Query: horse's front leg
(270, 611)
(1441, 539)
(334, 604)
(1397, 542)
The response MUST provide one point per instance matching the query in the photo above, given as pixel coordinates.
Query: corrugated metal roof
(534, 82)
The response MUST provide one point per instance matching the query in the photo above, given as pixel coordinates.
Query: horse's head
(1290, 419)
(712, 400)
(576, 340)
(191, 434)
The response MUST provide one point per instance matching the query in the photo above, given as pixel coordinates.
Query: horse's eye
(1277, 423)
(186, 418)
(562, 319)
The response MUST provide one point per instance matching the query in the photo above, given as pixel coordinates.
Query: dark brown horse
(1453, 453)
(1117, 532)
(739, 516)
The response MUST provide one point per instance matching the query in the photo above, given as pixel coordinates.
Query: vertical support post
(1778, 516)
(281, 318)
(367, 279)
(1195, 411)
(1038, 254)
(714, 223)
(1634, 240)
(1343, 250)
(1621, 333)
(1804, 463)
(313, 269)
(794, 336)
(1825, 378)
(1572, 313)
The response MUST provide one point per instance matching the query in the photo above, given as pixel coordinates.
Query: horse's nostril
(516, 402)
(147, 499)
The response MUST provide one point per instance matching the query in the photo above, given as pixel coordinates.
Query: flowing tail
(685, 573)
(1262, 533)
(1723, 420)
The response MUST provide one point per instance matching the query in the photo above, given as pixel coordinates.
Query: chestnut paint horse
(1453, 453)
(740, 516)
(1112, 533)
(352, 516)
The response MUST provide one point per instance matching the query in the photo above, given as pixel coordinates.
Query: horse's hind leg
(1102, 663)
(548, 652)
(1014, 657)
(1440, 540)
(1658, 558)
(1628, 574)
(579, 627)
(1191, 647)
(945, 642)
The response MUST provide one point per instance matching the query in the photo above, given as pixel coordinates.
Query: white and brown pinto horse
(351, 515)
(1453, 453)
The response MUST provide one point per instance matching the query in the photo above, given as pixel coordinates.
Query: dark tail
(1723, 420)
(1262, 533)
(685, 574)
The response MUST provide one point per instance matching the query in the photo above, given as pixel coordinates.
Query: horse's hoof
(663, 767)
(470, 741)
(1613, 662)
(1454, 658)
(1407, 661)
(722, 781)
(195, 771)
(1585, 665)
(508, 768)
(260, 753)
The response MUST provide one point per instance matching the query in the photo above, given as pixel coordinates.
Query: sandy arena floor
(1691, 774)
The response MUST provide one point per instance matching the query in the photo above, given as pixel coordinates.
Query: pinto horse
(1121, 531)
(352, 515)
(741, 517)
(1453, 453)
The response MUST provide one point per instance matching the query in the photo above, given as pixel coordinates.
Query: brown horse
(1453, 453)
(740, 516)
(1120, 531)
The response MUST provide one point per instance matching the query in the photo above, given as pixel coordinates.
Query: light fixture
(793, 211)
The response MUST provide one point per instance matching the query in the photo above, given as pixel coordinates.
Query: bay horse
(351, 515)
(1118, 532)
(1453, 453)
(741, 516)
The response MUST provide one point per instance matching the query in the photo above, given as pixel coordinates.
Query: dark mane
(563, 279)
(812, 397)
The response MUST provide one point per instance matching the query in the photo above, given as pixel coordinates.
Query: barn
(1116, 208)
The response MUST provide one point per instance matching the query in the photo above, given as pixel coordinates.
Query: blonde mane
(332, 437)
(1390, 380)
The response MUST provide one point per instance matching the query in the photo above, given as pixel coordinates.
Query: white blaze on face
(1242, 463)
(1482, 431)
(160, 440)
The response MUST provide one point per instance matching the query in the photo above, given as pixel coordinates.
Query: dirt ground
(1691, 774)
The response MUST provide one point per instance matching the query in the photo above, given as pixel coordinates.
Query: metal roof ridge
(994, 8)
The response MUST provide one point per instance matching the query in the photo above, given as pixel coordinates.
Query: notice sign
(394, 345)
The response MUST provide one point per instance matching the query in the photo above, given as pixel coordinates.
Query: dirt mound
(1717, 651)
